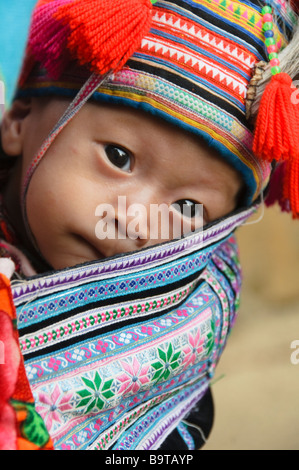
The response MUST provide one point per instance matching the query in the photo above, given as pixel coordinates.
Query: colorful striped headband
(186, 61)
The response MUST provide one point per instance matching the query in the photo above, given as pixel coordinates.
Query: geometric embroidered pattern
(120, 376)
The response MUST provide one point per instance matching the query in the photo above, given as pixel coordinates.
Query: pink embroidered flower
(147, 329)
(50, 407)
(134, 376)
(193, 350)
(182, 313)
(54, 364)
(98, 424)
(65, 447)
(102, 346)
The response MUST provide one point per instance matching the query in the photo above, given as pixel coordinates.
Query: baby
(106, 152)
(165, 125)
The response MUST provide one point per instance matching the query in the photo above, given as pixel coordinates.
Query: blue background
(14, 23)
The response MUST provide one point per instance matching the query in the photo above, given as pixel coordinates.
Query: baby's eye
(188, 208)
(119, 157)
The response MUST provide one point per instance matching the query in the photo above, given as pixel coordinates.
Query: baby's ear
(12, 126)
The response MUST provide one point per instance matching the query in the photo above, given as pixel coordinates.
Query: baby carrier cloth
(120, 352)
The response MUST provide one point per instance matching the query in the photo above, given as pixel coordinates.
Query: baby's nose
(132, 218)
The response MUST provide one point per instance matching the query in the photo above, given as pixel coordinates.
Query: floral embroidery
(168, 363)
(134, 377)
(93, 396)
(115, 365)
(194, 349)
(54, 364)
(51, 406)
(102, 346)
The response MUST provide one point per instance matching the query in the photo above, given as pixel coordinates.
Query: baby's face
(117, 157)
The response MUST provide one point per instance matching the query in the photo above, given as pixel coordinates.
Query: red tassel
(99, 34)
(106, 44)
(277, 135)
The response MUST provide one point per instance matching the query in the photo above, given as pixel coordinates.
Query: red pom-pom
(99, 34)
(277, 134)
(105, 34)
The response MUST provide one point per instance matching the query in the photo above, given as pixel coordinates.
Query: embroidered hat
(186, 61)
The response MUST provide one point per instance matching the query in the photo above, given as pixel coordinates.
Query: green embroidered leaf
(157, 374)
(89, 383)
(84, 393)
(157, 365)
(174, 365)
(106, 389)
(210, 342)
(100, 403)
(108, 394)
(91, 406)
(169, 351)
(97, 380)
(83, 402)
(162, 355)
(107, 385)
(176, 356)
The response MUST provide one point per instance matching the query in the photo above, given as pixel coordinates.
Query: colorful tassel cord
(277, 127)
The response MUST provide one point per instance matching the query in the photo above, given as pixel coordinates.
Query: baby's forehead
(135, 125)
(170, 156)
(134, 129)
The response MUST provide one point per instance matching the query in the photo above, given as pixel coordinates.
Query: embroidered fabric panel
(102, 379)
(121, 368)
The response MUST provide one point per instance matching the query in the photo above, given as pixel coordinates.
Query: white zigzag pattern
(237, 86)
(181, 25)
